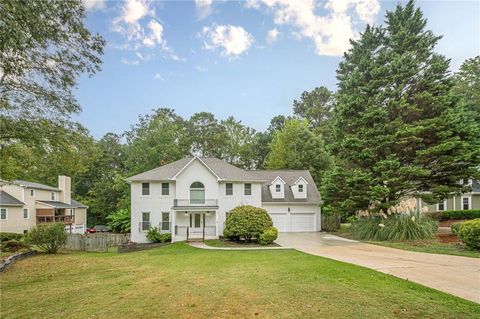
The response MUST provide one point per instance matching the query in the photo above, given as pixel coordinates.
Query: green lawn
(233, 244)
(433, 246)
(178, 281)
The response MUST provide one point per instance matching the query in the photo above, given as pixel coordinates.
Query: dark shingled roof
(223, 170)
(35, 185)
(8, 200)
(228, 172)
(289, 177)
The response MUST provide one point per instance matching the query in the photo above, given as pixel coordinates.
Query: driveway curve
(459, 276)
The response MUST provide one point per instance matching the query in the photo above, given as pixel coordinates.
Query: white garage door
(279, 221)
(303, 222)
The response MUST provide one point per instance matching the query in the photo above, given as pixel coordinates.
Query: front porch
(192, 225)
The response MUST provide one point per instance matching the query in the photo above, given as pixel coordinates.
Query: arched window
(197, 193)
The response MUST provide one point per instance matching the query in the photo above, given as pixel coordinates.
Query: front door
(196, 222)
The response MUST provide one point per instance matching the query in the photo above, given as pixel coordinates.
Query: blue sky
(249, 59)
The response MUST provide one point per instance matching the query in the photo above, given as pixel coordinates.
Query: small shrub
(268, 236)
(455, 228)
(395, 227)
(165, 238)
(455, 214)
(155, 236)
(14, 245)
(246, 222)
(48, 237)
(469, 233)
(4, 236)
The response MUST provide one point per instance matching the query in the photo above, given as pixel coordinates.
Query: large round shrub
(246, 222)
(395, 227)
(469, 233)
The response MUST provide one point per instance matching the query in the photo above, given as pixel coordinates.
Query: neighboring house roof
(8, 200)
(222, 169)
(290, 177)
(78, 204)
(57, 204)
(35, 185)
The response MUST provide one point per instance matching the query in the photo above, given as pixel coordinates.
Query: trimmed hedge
(455, 214)
(5, 236)
(469, 233)
(455, 228)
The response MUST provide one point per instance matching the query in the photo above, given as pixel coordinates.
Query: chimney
(64, 184)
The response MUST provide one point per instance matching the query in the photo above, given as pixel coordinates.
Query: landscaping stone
(11, 259)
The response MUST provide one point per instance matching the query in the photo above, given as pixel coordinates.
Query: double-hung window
(52, 195)
(248, 189)
(441, 206)
(300, 188)
(145, 224)
(165, 221)
(466, 203)
(228, 189)
(25, 213)
(278, 188)
(3, 214)
(165, 189)
(145, 189)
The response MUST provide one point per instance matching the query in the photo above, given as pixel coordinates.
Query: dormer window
(278, 188)
(300, 188)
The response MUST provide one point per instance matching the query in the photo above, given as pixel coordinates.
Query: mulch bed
(448, 223)
(131, 247)
(447, 238)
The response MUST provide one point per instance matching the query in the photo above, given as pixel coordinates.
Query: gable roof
(8, 200)
(222, 169)
(278, 177)
(290, 177)
(35, 185)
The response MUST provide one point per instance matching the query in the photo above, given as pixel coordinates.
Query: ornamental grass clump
(400, 223)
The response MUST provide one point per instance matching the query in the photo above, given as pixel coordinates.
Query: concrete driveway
(459, 276)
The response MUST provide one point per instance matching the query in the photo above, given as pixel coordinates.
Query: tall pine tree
(398, 126)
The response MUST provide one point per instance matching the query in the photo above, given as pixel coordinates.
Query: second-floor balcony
(66, 219)
(195, 203)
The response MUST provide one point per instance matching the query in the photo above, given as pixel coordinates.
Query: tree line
(399, 123)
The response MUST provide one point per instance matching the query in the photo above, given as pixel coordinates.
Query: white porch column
(172, 227)
(454, 200)
(216, 223)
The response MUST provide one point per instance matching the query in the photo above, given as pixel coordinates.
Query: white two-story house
(190, 198)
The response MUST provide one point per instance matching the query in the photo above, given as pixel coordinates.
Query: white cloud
(201, 68)
(272, 35)
(130, 62)
(141, 28)
(330, 32)
(92, 5)
(204, 8)
(232, 40)
(159, 77)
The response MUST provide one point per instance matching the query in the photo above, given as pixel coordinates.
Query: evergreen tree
(398, 127)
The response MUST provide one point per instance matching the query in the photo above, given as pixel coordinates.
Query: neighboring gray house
(464, 201)
(193, 196)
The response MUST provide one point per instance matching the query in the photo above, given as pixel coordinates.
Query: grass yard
(179, 281)
(433, 246)
(233, 244)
